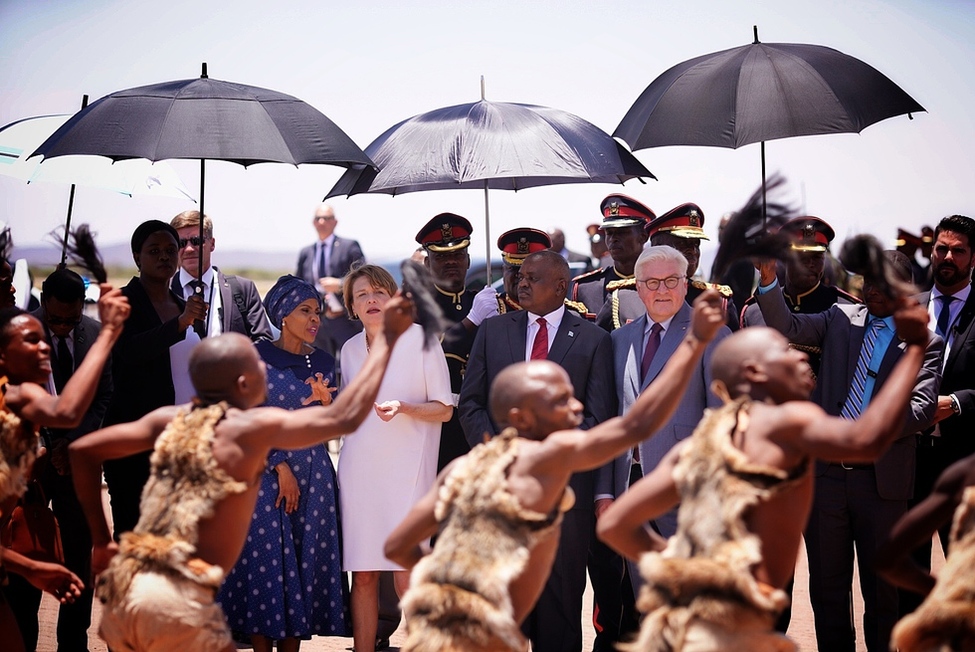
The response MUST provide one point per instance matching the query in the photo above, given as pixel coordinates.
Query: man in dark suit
(234, 303)
(683, 229)
(544, 329)
(952, 438)
(70, 334)
(557, 237)
(324, 264)
(609, 294)
(856, 505)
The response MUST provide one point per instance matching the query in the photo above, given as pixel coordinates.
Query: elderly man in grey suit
(856, 505)
(544, 329)
(640, 351)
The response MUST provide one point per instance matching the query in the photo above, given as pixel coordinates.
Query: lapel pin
(571, 334)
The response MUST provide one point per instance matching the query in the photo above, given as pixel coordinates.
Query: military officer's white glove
(485, 305)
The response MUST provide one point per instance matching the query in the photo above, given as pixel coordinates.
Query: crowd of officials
(612, 326)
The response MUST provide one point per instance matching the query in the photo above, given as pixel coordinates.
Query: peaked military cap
(620, 211)
(517, 244)
(684, 221)
(809, 233)
(445, 232)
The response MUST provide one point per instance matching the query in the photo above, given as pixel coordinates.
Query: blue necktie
(944, 317)
(322, 262)
(854, 402)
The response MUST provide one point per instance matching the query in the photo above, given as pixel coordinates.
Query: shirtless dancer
(744, 482)
(196, 508)
(496, 511)
(946, 618)
(25, 406)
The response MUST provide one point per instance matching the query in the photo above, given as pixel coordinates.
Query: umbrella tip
(204, 75)
(84, 100)
(482, 87)
(755, 31)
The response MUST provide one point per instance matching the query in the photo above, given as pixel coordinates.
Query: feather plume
(864, 255)
(83, 252)
(747, 235)
(6, 242)
(418, 286)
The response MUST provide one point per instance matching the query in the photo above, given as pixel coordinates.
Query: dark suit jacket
(231, 319)
(140, 360)
(84, 336)
(344, 253)
(957, 378)
(582, 349)
(840, 331)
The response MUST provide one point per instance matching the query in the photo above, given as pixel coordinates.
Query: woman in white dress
(391, 460)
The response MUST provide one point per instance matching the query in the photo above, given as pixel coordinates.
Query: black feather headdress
(864, 255)
(418, 285)
(749, 235)
(82, 250)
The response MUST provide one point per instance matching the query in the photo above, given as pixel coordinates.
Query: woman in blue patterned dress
(288, 584)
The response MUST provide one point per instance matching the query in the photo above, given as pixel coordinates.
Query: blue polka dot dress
(288, 581)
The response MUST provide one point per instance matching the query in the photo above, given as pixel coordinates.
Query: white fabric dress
(385, 467)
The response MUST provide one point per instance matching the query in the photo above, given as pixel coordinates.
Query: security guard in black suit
(683, 229)
(608, 295)
(804, 290)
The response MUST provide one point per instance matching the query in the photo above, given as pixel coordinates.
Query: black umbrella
(488, 145)
(205, 119)
(761, 92)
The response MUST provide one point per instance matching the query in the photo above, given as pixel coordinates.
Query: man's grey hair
(661, 254)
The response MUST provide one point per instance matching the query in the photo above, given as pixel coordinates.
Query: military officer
(608, 295)
(683, 229)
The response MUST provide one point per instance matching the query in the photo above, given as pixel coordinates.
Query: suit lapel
(634, 354)
(518, 335)
(962, 328)
(857, 325)
(227, 303)
(671, 340)
(565, 337)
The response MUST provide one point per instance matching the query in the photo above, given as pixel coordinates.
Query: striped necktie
(854, 402)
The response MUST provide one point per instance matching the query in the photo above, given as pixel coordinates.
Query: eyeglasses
(324, 219)
(196, 241)
(63, 321)
(653, 284)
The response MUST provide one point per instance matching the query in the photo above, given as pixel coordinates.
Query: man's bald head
(536, 398)
(758, 361)
(219, 364)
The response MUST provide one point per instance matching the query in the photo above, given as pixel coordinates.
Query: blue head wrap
(286, 295)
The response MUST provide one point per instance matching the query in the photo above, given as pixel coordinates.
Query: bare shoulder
(786, 420)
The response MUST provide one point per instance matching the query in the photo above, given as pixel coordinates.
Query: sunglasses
(196, 241)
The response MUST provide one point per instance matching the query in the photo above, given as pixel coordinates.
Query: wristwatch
(955, 405)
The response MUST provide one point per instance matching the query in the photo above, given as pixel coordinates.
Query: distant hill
(119, 255)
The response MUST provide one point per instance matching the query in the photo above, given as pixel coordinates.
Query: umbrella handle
(67, 221)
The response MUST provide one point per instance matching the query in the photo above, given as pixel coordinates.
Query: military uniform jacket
(456, 342)
(608, 299)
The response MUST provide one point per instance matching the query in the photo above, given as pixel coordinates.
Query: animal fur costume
(459, 596)
(184, 485)
(946, 619)
(18, 449)
(700, 593)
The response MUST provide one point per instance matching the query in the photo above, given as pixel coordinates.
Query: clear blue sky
(368, 65)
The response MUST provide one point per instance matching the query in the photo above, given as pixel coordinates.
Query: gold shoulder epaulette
(578, 306)
(587, 275)
(723, 290)
(621, 283)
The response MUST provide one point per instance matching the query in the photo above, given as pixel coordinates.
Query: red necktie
(653, 342)
(540, 345)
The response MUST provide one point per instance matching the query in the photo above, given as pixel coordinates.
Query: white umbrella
(19, 139)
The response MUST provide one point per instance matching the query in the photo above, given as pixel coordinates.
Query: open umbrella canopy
(760, 92)
(496, 145)
(19, 139)
(205, 119)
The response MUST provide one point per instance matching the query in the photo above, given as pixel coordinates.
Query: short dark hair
(957, 224)
(64, 285)
(6, 316)
(144, 230)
